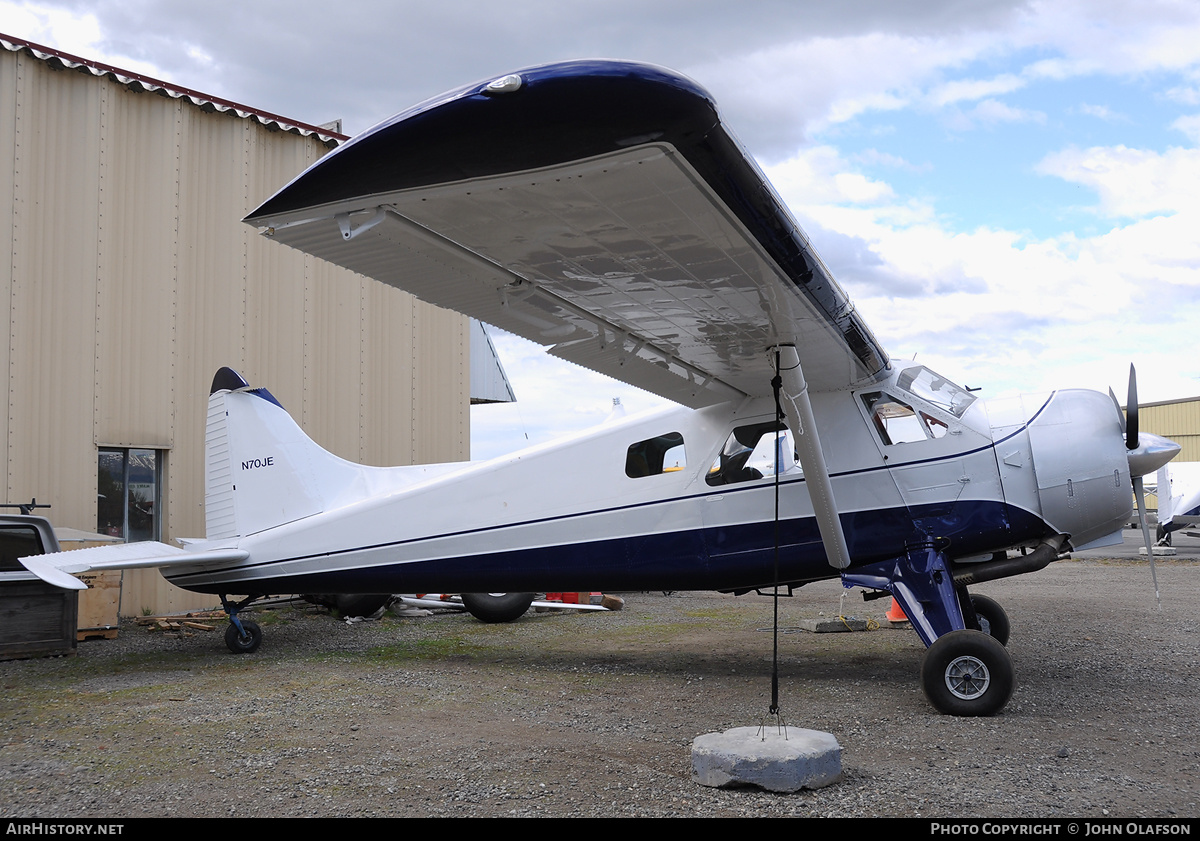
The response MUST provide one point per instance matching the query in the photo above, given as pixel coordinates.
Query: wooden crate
(100, 603)
(36, 620)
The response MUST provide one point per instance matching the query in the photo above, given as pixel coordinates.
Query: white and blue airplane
(1178, 491)
(603, 209)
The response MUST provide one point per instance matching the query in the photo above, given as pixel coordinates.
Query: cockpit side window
(895, 420)
(936, 426)
(661, 454)
(751, 452)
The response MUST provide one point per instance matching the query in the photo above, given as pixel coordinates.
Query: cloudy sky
(1008, 191)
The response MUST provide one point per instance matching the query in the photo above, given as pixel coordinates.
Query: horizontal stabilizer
(57, 568)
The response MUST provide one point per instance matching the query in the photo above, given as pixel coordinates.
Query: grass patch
(443, 648)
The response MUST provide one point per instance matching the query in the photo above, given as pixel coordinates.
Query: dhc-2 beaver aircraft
(603, 209)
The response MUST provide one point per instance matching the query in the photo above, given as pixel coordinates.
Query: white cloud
(1108, 36)
(875, 156)
(992, 112)
(1132, 182)
(994, 308)
(71, 32)
(1185, 94)
(1100, 112)
(1190, 126)
(818, 175)
(793, 90)
(950, 93)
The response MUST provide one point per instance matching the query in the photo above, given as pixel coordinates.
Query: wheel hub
(967, 678)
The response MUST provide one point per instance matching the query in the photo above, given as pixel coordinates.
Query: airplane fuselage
(685, 499)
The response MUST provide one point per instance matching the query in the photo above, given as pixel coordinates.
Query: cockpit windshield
(936, 389)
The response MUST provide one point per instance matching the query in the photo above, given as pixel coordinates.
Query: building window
(129, 493)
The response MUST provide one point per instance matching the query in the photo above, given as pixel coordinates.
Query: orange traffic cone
(896, 613)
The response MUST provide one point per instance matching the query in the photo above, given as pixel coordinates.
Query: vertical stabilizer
(1163, 492)
(261, 469)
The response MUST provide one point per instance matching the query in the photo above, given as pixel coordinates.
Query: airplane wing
(597, 207)
(56, 567)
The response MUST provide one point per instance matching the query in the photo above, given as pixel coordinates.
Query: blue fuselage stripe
(729, 557)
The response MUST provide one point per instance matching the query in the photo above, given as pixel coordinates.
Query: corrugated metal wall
(1179, 421)
(131, 279)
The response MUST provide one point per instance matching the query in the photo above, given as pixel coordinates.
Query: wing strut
(798, 409)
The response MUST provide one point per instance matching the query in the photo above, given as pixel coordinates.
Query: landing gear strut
(242, 636)
(967, 671)
(992, 619)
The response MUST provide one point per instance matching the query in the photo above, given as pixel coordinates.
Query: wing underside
(664, 261)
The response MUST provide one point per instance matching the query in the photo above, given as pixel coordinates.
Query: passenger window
(664, 454)
(895, 421)
(750, 453)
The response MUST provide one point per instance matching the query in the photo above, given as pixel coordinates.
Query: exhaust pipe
(1041, 557)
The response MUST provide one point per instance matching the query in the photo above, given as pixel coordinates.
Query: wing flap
(57, 567)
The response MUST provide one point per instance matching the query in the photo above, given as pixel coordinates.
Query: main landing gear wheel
(993, 621)
(967, 673)
(365, 604)
(243, 644)
(497, 607)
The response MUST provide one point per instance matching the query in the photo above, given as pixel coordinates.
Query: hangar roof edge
(140, 82)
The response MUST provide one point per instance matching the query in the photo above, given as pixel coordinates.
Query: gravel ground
(594, 714)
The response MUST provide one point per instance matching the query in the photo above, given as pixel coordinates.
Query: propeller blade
(1131, 412)
(1120, 413)
(1139, 493)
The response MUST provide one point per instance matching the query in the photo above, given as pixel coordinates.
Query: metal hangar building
(131, 279)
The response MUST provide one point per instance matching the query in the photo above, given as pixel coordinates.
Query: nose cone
(1151, 453)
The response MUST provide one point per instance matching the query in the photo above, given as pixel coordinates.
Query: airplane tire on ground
(967, 673)
(247, 644)
(993, 621)
(497, 607)
(361, 604)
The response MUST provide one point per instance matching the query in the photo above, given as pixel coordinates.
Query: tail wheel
(243, 643)
(497, 607)
(993, 621)
(967, 673)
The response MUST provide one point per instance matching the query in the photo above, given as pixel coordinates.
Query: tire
(364, 604)
(993, 621)
(247, 644)
(967, 673)
(497, 607)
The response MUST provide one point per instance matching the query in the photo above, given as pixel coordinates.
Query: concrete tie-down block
(767, 758)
